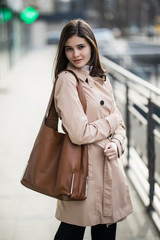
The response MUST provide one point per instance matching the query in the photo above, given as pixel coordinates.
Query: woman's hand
(110, 151)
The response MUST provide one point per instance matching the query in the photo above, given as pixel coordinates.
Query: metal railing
(139, 103)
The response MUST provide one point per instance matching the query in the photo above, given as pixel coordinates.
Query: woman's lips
(78, 60)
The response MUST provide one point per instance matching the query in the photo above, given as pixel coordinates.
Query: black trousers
(98, 232)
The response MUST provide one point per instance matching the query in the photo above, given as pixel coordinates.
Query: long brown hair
(79, 28)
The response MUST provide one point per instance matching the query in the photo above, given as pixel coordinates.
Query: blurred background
(128, 36)
(25, 24)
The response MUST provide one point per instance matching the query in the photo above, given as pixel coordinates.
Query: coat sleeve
(119, 135)
(74, 119)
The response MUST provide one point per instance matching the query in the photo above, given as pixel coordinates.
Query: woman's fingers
(110, 151)
(112, 156)
(108, 147)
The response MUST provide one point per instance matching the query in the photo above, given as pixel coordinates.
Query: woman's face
(78, 51)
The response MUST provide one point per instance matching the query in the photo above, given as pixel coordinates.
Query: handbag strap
(51, 116)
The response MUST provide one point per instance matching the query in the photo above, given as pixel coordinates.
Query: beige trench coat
(108, 199)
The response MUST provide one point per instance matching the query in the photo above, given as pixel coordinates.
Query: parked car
(103, 34)
(53, 37)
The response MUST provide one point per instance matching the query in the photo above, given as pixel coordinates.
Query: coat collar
(83, 74)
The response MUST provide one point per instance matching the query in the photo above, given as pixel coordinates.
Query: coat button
(86, 80)
(102, 102)
(110, 136)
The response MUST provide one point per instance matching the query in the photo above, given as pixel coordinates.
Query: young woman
(101, 128)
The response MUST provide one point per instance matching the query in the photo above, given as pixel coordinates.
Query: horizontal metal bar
(139, 162)
(156, 118)
(143, 195)
(139, 170)
(156, 205)
(136, 114)
(156, 219)
(139, 188)
(157, 191)
(130, 77)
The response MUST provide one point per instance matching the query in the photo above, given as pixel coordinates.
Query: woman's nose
(76, 53)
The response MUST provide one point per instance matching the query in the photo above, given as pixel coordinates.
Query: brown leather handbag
(56, 166)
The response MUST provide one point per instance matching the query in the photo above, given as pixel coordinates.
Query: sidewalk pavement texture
(25, 214)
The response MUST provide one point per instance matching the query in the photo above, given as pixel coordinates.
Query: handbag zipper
(71, 191)
(72, 184)
(86, 187)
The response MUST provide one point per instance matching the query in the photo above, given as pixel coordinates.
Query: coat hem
(92, 224)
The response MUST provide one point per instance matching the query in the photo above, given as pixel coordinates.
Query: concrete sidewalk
(24, 214)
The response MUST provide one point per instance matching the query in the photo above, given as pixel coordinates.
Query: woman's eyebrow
(67, 46)
(80, 44)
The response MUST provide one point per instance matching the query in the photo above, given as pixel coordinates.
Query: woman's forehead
(75, 40)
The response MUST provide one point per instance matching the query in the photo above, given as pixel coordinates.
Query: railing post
(151, 153)
(127, 123)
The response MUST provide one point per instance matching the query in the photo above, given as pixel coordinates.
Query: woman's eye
(81, 46)
(68, 49)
